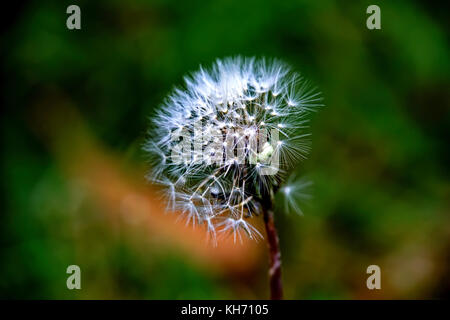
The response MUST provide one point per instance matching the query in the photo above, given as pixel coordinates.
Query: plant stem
(276, 286)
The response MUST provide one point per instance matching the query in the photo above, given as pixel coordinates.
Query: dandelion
(224, 144)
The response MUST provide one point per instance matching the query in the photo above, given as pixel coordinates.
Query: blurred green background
(78, 103)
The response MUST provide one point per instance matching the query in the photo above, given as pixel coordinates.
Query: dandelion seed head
(227, 107)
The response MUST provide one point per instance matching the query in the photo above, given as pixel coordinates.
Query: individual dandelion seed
(294, 191)
(224, 144)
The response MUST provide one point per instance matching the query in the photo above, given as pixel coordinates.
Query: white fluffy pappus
(228, 139)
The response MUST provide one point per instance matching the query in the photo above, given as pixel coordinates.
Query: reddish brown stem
(276, 285)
